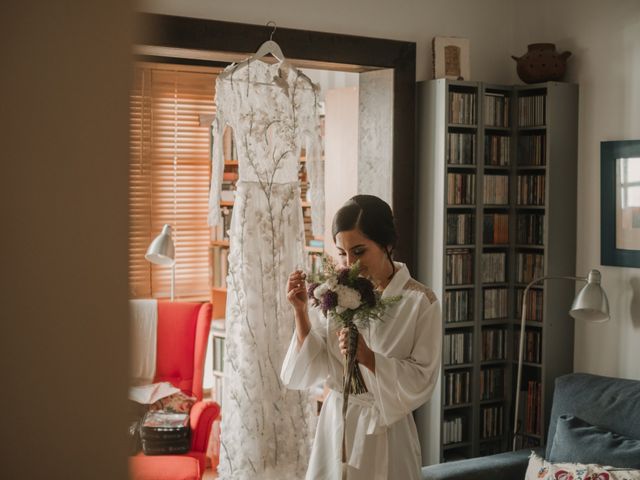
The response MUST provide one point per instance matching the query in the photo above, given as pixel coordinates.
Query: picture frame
(620, 203)
(451, 58)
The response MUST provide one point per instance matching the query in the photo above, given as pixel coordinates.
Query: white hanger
(267, 48)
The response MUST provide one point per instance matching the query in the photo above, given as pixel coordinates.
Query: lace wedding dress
(267, 429)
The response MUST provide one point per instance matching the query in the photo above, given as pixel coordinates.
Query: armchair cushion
(202, 416)
(166, 467)
(509, 465)
(580, 442)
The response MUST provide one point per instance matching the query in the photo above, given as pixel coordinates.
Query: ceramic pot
(541, 63)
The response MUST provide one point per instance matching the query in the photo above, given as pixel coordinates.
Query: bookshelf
(497, 207)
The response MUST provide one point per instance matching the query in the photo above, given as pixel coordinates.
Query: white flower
(332, 283)
(348, 298)
(320, 290)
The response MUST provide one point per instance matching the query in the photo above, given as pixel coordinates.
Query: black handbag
(163, 433)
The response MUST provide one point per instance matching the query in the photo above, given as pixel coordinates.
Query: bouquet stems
(352, 382)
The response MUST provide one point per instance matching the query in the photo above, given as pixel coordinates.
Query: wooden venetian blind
(169, 176)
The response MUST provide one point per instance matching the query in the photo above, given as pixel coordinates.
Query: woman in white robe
(399, 357)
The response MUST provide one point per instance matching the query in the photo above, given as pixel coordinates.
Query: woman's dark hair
(372, 216)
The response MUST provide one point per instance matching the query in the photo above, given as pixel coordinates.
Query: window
(169, 176)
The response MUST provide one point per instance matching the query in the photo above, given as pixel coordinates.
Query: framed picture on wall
(451, 58)
(620, 203)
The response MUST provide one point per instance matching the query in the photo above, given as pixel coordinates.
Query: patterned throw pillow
(540, 469)
(177, 402)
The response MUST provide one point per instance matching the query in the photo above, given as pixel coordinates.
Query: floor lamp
(590, 304)
(162, 252)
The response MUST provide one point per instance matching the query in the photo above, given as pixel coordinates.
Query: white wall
(408, 20)
(605, 40)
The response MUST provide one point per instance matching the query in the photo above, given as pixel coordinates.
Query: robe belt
(368, 423)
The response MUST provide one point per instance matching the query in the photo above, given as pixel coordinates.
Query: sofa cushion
(540, 469)
(578, 441)
(610, 403)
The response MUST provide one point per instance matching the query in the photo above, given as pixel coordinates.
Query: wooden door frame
(353, 52)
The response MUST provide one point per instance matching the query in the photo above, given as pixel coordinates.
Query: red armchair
(183, 333)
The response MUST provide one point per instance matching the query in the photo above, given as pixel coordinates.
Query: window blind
(169, 176)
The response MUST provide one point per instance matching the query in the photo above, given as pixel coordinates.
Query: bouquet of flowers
(352, 302)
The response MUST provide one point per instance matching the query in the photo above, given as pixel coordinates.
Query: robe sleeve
(399, 386)
(307, 366)
(217, 162)
(315, 171)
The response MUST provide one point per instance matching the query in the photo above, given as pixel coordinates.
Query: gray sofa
(612, 404)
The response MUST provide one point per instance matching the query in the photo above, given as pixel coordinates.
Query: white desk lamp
(590, 304)
(162, 252)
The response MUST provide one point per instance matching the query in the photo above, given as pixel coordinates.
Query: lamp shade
(161, 250)
(591, 303)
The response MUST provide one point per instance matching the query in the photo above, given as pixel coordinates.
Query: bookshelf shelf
(456, 445)
(497, 174)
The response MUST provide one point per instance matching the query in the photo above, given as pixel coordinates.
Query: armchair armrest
(503, 466)
(202, 415)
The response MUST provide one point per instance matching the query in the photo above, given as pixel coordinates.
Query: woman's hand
(364, 354)
(297, 291)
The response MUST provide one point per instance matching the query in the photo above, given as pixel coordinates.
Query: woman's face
(353, 245)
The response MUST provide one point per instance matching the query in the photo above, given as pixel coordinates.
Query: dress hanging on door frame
(266, 429)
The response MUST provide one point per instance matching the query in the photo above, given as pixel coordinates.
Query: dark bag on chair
(164, 433)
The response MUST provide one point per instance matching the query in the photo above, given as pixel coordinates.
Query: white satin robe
(381, 437)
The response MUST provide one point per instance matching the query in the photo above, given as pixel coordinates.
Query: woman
(399, 357)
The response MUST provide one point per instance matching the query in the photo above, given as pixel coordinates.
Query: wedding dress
(266, 429)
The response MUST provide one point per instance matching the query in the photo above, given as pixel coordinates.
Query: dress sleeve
(401, 386)
(315, 170)
(307, 365)
(217, 162)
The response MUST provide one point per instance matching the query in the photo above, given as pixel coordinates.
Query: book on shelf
(458, 266)
(532, 351)
(460, 228)
(494, 344)
(218, 353)
(492, 383)
(529, 266)
(462, 108)
(219, 266)
(495, 303)
(221, 231)
(458, 306)
(495, 229)
(452, 430)
(456, 388)
(532, 149)
(461, 148)
(496, 189)
(491, 421)
(530, 189)
(461, 188)
(493, 267)
(497, 150)
(496, 109)
(534, 304)
(530, 228)
(458, 348)
(531, 111)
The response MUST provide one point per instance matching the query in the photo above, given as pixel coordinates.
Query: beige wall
(63, 197)
(483, 22)
(605, 40)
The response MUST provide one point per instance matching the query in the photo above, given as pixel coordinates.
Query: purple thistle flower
(343, 276)
(366, 290)
(310, 289)
(329, 301)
